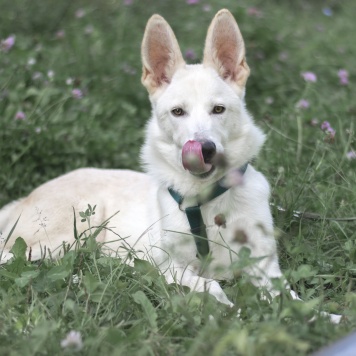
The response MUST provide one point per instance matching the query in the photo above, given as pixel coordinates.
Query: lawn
(71, 96)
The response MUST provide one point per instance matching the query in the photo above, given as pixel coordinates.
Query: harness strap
(198, 229)
(194, 215)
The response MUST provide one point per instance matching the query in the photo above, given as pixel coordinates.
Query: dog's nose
(208, 150)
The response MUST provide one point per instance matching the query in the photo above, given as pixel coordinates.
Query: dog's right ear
(161, 55)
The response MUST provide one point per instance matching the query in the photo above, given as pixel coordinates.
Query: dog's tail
(6, 217)
(6, 213)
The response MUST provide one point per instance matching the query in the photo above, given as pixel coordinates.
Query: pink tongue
(192, 158)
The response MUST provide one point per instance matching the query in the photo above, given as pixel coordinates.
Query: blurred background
(70, 91)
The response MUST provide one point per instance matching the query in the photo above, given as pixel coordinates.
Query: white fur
(149, 220)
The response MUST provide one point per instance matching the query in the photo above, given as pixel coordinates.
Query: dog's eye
(218, 109)
(178, 112)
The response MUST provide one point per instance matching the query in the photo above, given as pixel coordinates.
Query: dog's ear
(161, 55)
(225, 49)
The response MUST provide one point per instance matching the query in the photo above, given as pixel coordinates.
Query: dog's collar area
(194, 216)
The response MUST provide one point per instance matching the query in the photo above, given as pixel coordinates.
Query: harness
(194, 215)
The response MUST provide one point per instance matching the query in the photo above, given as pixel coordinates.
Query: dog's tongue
(192, 158)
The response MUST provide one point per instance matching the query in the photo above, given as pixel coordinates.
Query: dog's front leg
(188, 278)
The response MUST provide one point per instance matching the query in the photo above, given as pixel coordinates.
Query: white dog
(199, 144)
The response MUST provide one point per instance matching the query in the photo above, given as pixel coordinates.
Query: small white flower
(72, 341)
(50, 74)
(314, 122)
(69, 81)
(89, 30)
(75, 279)
(269, 100)
(37, 76)
(281, 170)
(31, 61)
(351, 155)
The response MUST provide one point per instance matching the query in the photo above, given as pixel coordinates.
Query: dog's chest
(176, 237)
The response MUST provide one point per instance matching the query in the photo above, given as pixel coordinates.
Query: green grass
(129, 310)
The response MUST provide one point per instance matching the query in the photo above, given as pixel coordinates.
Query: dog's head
(200, 127)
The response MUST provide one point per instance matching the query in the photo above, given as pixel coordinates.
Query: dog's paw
(334, 318)
(214, 289)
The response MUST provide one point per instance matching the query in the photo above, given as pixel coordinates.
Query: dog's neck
(210, 193)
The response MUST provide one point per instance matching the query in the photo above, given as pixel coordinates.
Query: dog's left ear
(225, 49)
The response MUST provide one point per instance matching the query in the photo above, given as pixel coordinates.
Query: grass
(121, 309)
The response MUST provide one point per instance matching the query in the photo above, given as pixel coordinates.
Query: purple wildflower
(77, 93)
(73, 341)
(80, 13)
(253, 11)
(20, 115)
(331, 132)
(302, 104)
(192, 2)
(327, 11)
(128, 2)
(325, 125)
(8, 43)
(351, 155)
(343, 75)
(309, 77)
(60, 34)
(190, 54)
(344, 81)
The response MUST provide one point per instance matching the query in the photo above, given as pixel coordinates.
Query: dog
(200, 201)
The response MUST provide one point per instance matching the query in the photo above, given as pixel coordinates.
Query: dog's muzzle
(197, 157)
